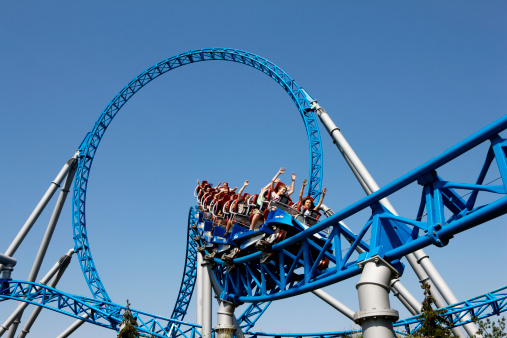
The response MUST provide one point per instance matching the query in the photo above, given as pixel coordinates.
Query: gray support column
(22, 305)
(412, 304)
(404, 294)
(424, 260)
(52, 222)
(73, 327)
(198, 286)
(64, 261)
(218, 291)
(334, 303)
(369, 185)
(225, 315)
(49, 233)
(40, 207)
(375, 314)
(207, 326)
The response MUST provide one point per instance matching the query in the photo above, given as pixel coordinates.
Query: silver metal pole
(334, 303)
(64, 261)
(198, 300)
(225, 314)
(218, 291)
(22, 305)
(206, 302)
(7, 260)
(446, 292)
(375, 314)
(52, 222)
(414, 306)
(73, 327)
(49, 233)
(400, 295)
(365, 179)
(40, 207)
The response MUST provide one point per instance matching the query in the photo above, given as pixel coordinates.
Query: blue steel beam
(105, 314)
(91, 142)
(108, 315)
(392, 236)
(489, 304)
(189, 272)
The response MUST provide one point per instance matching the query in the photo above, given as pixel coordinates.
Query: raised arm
(240, 193)
(199, 184)
(291, 190)
(305, 182)
(321, 199)
(272, 184)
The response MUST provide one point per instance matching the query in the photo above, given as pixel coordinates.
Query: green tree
(432, 319)
(490, 329)
(128, 324)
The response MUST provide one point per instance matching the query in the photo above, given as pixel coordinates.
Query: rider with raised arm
(306, 204)
(241, 204)
(257, 213)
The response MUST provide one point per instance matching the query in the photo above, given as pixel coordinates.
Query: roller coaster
(286, 255)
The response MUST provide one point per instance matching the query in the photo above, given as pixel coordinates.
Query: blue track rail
(392, 236)
(108, 315)
(91, 142)
(105, 314)
(190, 271)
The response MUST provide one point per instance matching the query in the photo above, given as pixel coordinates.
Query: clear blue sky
(403, 80)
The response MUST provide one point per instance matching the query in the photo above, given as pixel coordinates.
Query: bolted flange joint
(389, 314)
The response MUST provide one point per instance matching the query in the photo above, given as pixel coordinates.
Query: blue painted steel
(392, 236)
(91, 142)
(108, 315)
(250, 316)
(489, 304)
(190, 272)
(105, 314)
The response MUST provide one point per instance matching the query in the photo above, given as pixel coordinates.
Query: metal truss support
(399, 291)
(73, 327)
(48, 234)
(410, 303)
(446, 292)
(225, 315)
(63, 262)
(217, 291)
(91, 142)
(198, 297)
(370, 186)
(375, 314)
(40, 207)
(334, 303)
(206, 301)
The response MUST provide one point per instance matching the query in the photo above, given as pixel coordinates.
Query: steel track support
(225, 316)
(399, 291)
(198, 282)
(375, 314)
(412, 304)
(217, 291)
(370, 186)
(49, 233)
(334, 303)
(73, 327)
(63, 261)
(206, 301)
(40, 207)
(448, 295)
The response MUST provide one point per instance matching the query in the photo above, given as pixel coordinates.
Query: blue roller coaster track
(443, 213)
(90, 144)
